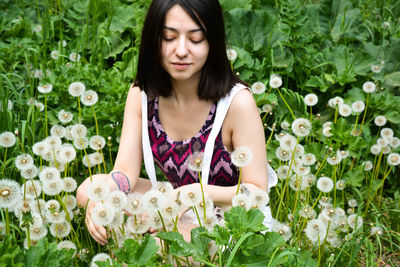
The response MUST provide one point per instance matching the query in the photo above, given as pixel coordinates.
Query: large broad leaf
(239, 221)
(133, 252)
(355, 177)
(393, 79)
(229, 4)
(248, 29)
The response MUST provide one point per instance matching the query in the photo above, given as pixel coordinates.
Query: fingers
(98, 232)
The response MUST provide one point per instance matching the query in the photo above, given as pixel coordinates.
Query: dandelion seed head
(89, 98)
(352, 203)
(258, 88)
(369, 87)
(241, 200)
(165, 187)
(32, 189)
(285, 125)
(70, 184)
(54, 54)
(387, 133)
(358, 106)
(376, 149)
(195, 161)
(23, 161)
(301, 127)
(53, 187)
(283, 172)
(376, 230)
(153, 200)
(231, 54)
(376, 68)
(393, 159)
(97, 190)
(258, 199)
(275, 81)
(117, 199)
(394, 142)
(335, 159)
(45, 88)
(81, 143)
(30, 172)
(283, 155)
(53, 142)
(308, 159)
(316, 231)
(117, 221)
(135, 204)
(76, 89)
(97, 142)
(311, 100)
(139, 227)
(10, 193)
(355, 221)
(288, 142)
(56, 216)
(40, 148)
(241, 156)
(49, 174)
(74, 57)
(70, 201)
(103, 214)
(345, 110)
(281, 229)
(336, 101)
(325, 184)
(37, 232)
(7, 139)
(60, 230)
(66, 244)
(58, 131)
(78, 131)
(65, 116)
(340, 184)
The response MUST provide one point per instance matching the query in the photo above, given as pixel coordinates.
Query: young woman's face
(184, 47)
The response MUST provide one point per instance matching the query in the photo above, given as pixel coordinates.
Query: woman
(183, 71)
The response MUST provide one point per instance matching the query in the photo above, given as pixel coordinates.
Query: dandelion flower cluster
(7, 139)
(275, 81)
(258, 88)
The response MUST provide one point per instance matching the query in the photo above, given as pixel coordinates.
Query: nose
(181, 49)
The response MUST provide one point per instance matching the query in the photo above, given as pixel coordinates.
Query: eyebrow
(175, 30)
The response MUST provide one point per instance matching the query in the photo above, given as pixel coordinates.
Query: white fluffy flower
(308, 159)
(311, 100)
(380, 120)
(56, 216)
(358, 106)
(76, 89)
(355, 221)
(66, 244)
(49, 174)
(376, 149)
(138, 226)
(54, 54)
(103, 257)
(376, 68)
(231, 54)
(39, 106)
(135, 204)
(336, 101)
(10, 193)
(81, 143)
(240, 200)
(70, 202)
(103, 214)
(117, 199)
(307, 212)
(30, 172)
(369, 87)
(53, 187)
(394, 142)
(65, 116)
(169, 210)
(281, 229)
(285, 125)
(45, 88)
(283, 172)
(7, 139)
(258, 88)
(288, 142)
(164, 187)
(316, 231)
(53, 142)
(69, 184)
(78, 131)
(382, 142)
(334, 160)
(352, 203)
(241, 156)
(60, 230)
(96, 158)
(387, 133)
(325, 184)
(258, 199)
(40, 148)
(98, 190)
(67, 153)
(283, 155)
(74, 57)
(344, 110)
(97, 142)
(23, 161)
(393, 159)
(301, 127)
(58, 131)
(37, 232)
(340, 184)
(190, 196)
(368, 165)
(32, 189)
(89, 98)
(153, 200)
(275, 81)
(195, 161)
(376, 230)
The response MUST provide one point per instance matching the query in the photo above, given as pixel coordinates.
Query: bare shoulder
(134, 100)
(242, 105)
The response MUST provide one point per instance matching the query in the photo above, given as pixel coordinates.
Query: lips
(181, 65)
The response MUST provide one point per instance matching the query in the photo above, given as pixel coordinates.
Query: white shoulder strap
(222, 109)
(147, 153)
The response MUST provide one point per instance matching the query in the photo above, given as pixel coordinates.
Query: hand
(98, 232)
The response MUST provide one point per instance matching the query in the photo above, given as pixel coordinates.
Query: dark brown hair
(217, 77)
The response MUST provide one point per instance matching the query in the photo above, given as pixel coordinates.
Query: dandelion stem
(287, 105)
(355, 125)
(4, 161)
(79, 111)
(7, 222)
(45, 114)
(95, 121)
(202, 195)
(240, 178)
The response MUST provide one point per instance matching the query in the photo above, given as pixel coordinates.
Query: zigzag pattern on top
(171, 156)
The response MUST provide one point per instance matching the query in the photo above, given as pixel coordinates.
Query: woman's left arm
(247, 130)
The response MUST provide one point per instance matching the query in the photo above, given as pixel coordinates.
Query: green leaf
(8, 251)
(393, 79)
(135, 253)
(355, 177)
(239, 221)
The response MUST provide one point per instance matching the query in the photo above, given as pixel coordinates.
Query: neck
(184, 91)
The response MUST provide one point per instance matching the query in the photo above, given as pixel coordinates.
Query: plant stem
(291, 112)
(365, 113)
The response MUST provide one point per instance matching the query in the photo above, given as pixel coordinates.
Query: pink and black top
(171, 156)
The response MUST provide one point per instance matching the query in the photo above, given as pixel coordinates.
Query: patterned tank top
(171, 156)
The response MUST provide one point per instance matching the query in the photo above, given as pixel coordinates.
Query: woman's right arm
(128, 162)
